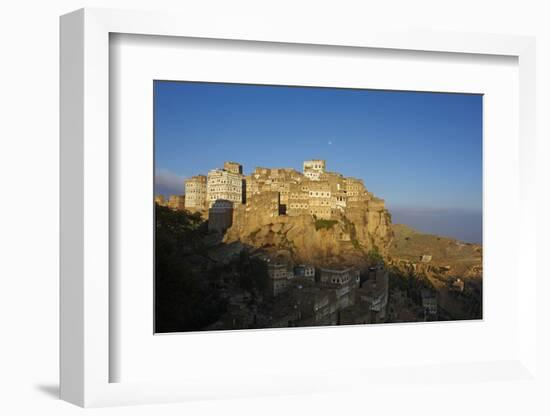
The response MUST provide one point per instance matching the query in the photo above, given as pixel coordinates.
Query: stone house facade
(278, 277)
(314, 168)
(233, 167)
(320, 199)
(348, 276)
(374, 291)
(195, 193)
(225, 185)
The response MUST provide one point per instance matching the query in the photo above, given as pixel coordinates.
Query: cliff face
(345, 239)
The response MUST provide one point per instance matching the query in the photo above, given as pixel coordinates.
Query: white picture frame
(85, 212)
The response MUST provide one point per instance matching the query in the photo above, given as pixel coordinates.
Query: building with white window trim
(348, 276)
(225, 185)
(195, 193)
(313, 169)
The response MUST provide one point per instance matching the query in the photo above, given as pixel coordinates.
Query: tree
(184, 298)
(374, 256)
(252, 273)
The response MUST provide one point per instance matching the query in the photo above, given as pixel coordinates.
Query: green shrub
(374, 256)
(319, 224)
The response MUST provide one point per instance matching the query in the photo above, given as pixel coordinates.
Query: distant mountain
(462, 224)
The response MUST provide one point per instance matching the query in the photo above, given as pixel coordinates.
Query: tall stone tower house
(313, 169)
(233, 167)
(225, 184)
(224, 189)
(195, 193)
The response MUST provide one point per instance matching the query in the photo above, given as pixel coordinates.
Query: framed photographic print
(268, 211)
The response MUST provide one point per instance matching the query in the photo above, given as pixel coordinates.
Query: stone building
(224, 184)
(281, 185)
(305, 270)
(336, 180)
(252, 185)
(326, 195)
(317, 306)
(233, 167)
(321, 305)
(297, 207)
(220, 215)
(298, 200)
(348, 276)
(273, 180)
(176, 202)
(429, 303)
(339, 200)
(258, 181)
(374, 291)
(278, 277)
(425, 258)
(267, 203)
(355, 190)
(345, 296)
(332, 301)
(314, 168)
(195, 193)
(320, 199)
(258, 211)
(159, 200)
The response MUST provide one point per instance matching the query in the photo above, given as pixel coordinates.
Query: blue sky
(421, 152)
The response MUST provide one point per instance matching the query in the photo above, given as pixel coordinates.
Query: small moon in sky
(329, 142)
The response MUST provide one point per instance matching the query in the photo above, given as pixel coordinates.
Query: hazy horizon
(464, 225)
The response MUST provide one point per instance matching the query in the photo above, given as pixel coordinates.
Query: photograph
(280, 206)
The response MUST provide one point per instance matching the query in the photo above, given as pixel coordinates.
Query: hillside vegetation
(409, 244)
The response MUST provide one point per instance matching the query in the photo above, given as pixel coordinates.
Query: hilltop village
(267, 201)
(314, 192)
(322, 237)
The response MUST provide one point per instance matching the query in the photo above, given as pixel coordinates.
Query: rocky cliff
(348, 238)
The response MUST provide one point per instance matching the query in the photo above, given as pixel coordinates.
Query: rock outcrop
(347, 238)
